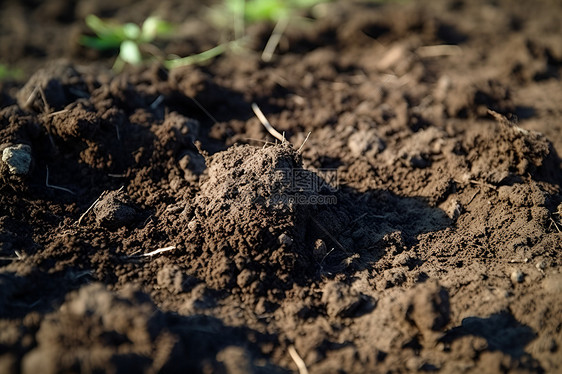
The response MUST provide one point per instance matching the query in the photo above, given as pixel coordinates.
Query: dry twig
(158, 251)
(298, 360)
(304, 142)
(47, 184)
(266, 123)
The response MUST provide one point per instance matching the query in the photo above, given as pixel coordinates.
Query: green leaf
(306, 3)
(265, 10)
(10, 73)
(108, 35)
(130, 31)
(98, 43)
(154, 27)
(130, 52)
(97, 25)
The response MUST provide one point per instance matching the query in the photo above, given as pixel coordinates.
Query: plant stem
(274, 39)
(197, 58)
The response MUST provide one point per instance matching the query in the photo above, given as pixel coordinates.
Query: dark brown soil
(149, 223)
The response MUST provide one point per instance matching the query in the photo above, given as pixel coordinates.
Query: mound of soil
(251, 232)
(149, 223)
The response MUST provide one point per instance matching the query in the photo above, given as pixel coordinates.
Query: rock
(541, 265)
(517, 276)
(454, 209)
(193, 225)
(285, 239)
(114, 210)
(17, 158)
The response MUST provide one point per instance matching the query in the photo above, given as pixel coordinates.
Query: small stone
(114, 210)
(285, 239)
(18, 158)
(193, 225)
(541, 265)
(454, 210)
(517, 276)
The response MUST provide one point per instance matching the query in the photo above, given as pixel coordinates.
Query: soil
(149, 223)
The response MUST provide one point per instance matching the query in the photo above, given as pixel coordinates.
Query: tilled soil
(149, 223)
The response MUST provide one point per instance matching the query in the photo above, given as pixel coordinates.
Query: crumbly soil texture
(150, 223)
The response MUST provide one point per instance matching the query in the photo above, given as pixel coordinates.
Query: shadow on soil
(501, 331)
(362, 227)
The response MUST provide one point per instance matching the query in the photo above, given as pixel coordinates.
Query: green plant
(131, 39)
(128, 37)
(236, 14)
(10, 73)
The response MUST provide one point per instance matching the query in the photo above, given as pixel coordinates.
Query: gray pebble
(517, 276)
(18, 158)
(285, 239)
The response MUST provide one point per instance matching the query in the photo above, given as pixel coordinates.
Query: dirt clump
(114, 209)
(50, 88)
(247, 219)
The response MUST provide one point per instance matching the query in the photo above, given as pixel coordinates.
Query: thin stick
(56, 113)
(303, 143)
(266, 123)
(327, 254)
(90, 208)
(473, 196)
(9, 259)
(159, 250)
(330, 236)
(31, 97)
(555, 225)
(156, 102)
(203, 109)
(18, 257)
(298, 360)
(44, 99)
(56, 187)
(274, 39)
